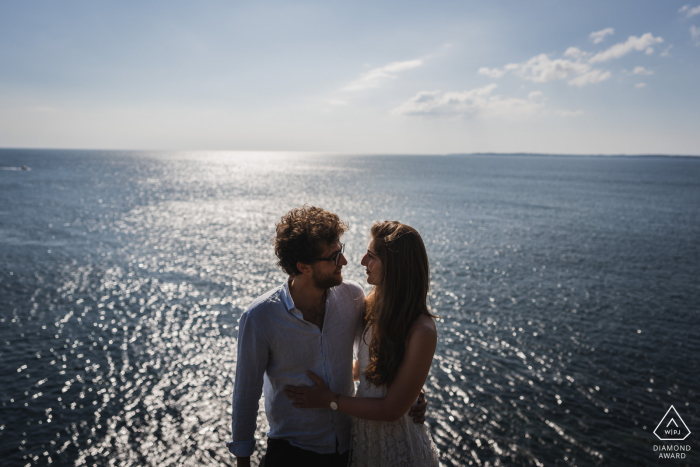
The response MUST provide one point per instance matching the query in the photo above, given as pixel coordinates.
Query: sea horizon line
(351, 153)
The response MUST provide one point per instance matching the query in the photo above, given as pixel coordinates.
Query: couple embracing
(296, 344)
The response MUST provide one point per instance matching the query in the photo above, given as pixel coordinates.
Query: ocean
(567, 289)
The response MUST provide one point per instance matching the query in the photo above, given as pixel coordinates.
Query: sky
(360, 77)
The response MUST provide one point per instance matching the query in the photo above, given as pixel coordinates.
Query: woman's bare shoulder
(423, 328)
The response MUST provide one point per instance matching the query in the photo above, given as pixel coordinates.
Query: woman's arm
(356, 370)
(402, 392)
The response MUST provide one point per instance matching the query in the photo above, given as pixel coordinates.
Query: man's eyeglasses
(335, 257)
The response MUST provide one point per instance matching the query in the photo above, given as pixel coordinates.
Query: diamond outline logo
(674, 422)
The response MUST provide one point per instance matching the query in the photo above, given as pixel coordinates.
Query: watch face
(334, 405)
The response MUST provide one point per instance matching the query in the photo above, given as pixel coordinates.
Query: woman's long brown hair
(401, 297)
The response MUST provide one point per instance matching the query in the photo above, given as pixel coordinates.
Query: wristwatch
(334, 402)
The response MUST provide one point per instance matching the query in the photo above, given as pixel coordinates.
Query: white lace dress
(388, 444)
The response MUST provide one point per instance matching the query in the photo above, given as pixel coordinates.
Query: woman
(394, 355)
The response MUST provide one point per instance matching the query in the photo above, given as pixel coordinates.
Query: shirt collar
(286, 296)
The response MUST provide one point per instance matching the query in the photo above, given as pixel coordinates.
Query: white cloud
(623, 48)
(541, 69)
(492, 72)
(695, 34)
(690, 12)
(569, 113)
(599, 36)
(496, 73)
(640, 70)
(576, 65)
(666, 53)
(640, 85)
(479, 102)
(376, 77)
(593, 76)
(575, 52)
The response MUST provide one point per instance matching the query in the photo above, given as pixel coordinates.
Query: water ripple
(566, 290)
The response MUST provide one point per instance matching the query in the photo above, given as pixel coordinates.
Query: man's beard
(325, 281)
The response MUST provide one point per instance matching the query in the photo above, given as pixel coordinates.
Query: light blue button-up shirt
(276, 347)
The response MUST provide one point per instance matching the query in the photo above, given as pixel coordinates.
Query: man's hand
(417, 412)
(243, 461)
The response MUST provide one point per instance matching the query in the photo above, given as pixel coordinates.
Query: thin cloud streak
(689, 12)
(593, 76)
(645, 42)
(695, 35)
(378, 76)
(640, 70)
(599, 36)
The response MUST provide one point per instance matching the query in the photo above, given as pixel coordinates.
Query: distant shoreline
(568, 155)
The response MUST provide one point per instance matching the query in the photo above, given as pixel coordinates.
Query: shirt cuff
(241, 448)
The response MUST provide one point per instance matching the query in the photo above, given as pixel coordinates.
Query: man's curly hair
(302, 235)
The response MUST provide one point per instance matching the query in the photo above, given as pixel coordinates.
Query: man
(310, 322)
